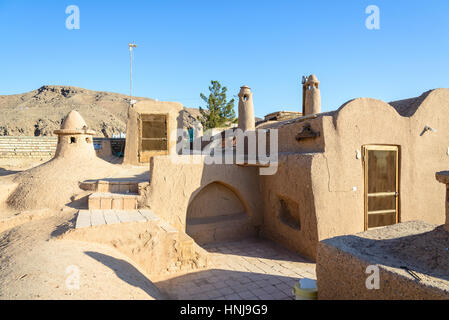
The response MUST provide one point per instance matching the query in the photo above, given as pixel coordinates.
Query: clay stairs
(116, 201)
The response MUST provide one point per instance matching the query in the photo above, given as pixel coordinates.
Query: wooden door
(153, 135)
(381, 171)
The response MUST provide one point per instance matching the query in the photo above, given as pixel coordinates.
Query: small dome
(73, 121)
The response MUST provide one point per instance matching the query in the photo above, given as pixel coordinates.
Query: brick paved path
(252, 269)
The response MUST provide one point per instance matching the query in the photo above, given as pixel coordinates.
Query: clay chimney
(246, 109)
(75, 140)
(312, 96)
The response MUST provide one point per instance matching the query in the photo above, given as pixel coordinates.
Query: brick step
(113, 201)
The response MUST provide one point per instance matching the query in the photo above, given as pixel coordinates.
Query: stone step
(113, 201)
(111, 186)
(91, 218)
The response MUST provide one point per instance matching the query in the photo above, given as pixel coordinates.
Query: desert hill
(39, 112)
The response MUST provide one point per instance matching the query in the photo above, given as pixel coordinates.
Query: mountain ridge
(39, 112)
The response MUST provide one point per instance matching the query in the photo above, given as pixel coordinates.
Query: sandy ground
(35, 264)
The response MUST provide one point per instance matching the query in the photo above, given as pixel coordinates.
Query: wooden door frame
(156, 152)
(365, 149)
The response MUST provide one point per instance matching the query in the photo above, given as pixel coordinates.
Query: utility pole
(131, 46)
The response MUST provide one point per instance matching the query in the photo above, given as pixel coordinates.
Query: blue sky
(267, 45)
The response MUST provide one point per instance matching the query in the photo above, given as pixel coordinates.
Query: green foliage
(219, 111)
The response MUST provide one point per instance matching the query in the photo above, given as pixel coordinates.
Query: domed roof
(74, 124)
(73, 121)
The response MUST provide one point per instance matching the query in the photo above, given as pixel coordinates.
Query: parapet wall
(371, 265)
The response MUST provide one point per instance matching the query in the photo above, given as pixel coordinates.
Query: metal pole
(131, 46)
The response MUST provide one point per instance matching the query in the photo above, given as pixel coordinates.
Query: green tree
(219, 111)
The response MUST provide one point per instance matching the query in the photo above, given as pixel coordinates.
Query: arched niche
(215, 200)
(217, 213)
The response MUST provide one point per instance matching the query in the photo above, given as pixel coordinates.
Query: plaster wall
(75, 145)
(290, 189)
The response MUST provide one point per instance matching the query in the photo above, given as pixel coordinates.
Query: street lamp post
(131, 46)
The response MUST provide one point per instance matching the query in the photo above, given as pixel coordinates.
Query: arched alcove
(217, 213)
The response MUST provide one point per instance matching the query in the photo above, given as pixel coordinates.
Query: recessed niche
(289, 213)
(72, 140)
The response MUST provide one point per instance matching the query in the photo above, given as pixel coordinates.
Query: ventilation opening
(289, 214)
(88, 140)
(72, 140)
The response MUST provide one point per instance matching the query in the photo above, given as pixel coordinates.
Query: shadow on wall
(227, 284)
(126, 272)
(289, 205)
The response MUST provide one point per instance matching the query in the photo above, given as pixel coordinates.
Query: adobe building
(366, 165)
(151, 130)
